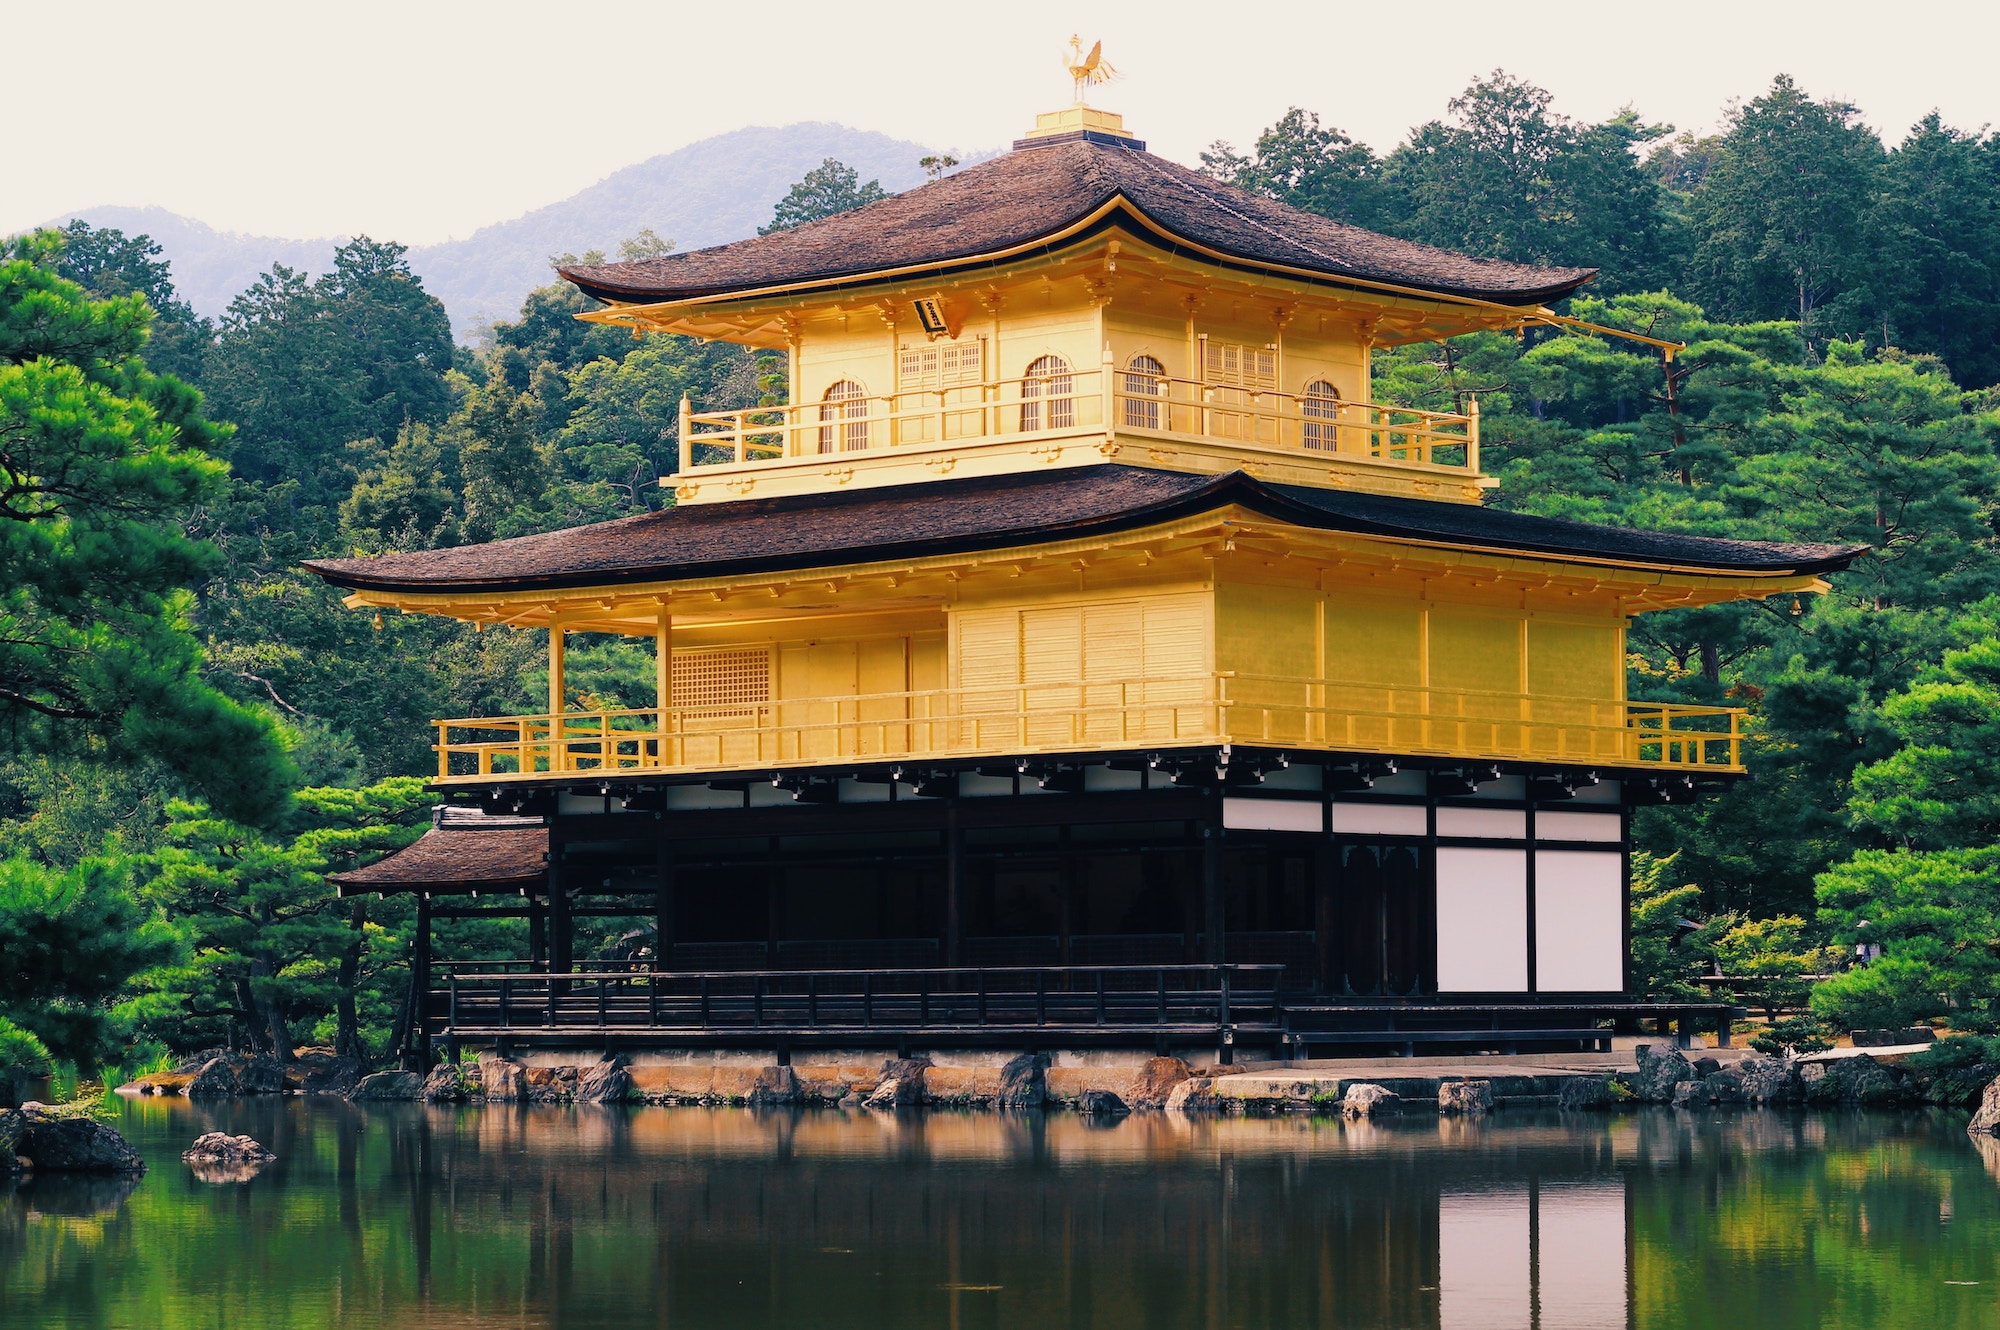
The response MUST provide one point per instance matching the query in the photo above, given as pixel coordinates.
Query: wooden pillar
(1213, 914)
(557, 681)
(663, 681)
(418, 1055)
(538, 933)
(954, 886)
(561, 935)
(1066, 897)
(663, 904)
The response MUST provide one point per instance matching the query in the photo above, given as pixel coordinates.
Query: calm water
(407, 1216)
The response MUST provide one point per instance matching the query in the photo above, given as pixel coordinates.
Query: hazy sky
(420, 120)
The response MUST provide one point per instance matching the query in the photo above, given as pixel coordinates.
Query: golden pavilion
(1080, 656)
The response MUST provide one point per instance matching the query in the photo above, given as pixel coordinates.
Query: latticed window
(1321, 407)
(940, 365)
(844, 401)
(1048, 384)
(1144, 379)
(1238, 366)
(731, 682)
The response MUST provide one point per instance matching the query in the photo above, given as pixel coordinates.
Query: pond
(413, 1216)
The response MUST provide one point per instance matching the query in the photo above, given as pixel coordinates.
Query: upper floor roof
(1057, 188)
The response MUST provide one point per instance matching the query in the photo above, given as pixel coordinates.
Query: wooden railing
(471, 998)
(1058, 718)
(1106, 399)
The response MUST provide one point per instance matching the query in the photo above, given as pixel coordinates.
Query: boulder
(1586, 1093)
(1690, 1094)
(502, 1081)
(1723, 1087)
(55, 1143)
(232, 1074)
(218, 1147)
(1467, 1097)
(324, 1073)
(901, 1084)
(220, 1157)
(386, 1085)
(1367, 1101)
(13, 1125)
(1986, 1120)
(776, 1087)
(1101, 1104)
(445, 1084)
(552, 1085)
(1859, 1081)
(1769, 1080)
(606, 1082)
(1024, 1083)
(1705, 1067)
(1196, 1094)
(1660, 1070)
(1156, 1080)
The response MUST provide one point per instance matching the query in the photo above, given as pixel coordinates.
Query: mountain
(708, 193)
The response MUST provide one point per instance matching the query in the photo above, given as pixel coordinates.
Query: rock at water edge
(776, 1087)
(901, 1084)
(1366, 1101)
(1196, 1094)
(1155, 1081)
(1660, 1070)
(607, 1082)
(324, 1073)
(1987, 1119)
(445, 1085)
(1769, 1080)
(1101, 1104)
(74, 1145)
(218, 1147)
(383, 1085)
(1024, 1082)
(1466, 1097)
(502, 1081)
(1582, 1093)
(1690, 1094)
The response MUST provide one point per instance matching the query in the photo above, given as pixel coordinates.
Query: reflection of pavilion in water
(1544, 1255)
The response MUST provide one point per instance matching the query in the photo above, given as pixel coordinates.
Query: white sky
(422, 120)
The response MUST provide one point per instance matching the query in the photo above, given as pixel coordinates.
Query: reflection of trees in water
(606, 1216)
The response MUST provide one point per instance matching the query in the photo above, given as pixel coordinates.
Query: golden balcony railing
(1106, 400)
(1054, 719)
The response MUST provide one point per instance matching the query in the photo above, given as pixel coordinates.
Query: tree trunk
(1711, 661)
(251, 1034)
(268, 1009)
(347, 1035)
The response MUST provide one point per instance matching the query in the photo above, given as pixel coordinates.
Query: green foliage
(1667, 950)
(830, 188)
(1792, 1036)
(70, 942)
(21, 1050)
(101, 461)
(1936, 914)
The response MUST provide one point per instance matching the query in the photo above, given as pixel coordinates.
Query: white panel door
(1482, 914)
(1579, 921)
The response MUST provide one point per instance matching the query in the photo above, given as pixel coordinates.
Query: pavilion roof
(465, 851)
(1043, 190)
(946, 517)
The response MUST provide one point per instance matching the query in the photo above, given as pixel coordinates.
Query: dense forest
(195, 732)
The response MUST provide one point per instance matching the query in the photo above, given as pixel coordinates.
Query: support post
(663, 681)
(1213, 914)
(538, 934)
(417, 1057)
(663, 905)
(954, 886)
(560, 933)
(558, 750)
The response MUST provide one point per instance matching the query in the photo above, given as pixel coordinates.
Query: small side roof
(464, 851)
(1044, 190)
(748, 536)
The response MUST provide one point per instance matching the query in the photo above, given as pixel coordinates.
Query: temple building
(1081, 656)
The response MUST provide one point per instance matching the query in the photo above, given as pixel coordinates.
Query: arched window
(1321, 407)
(1048, 378)
(1144, 381)
(844, 401)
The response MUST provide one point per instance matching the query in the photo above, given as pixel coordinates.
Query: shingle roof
(981, 513)
(1023, 196)
(463, 852)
